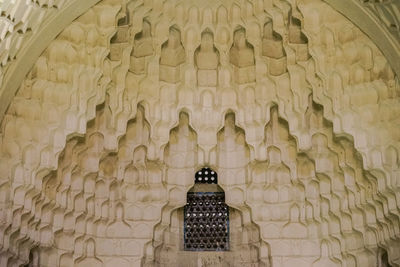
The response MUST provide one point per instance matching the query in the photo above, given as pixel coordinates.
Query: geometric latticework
(206, 223)
(206, 176)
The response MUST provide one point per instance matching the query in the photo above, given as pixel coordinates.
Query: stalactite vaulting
(290, 103)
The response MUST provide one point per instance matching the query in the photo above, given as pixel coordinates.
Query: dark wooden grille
(206, 222)
(206, 176)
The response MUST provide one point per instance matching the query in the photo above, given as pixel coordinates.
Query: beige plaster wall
(293, 106)
(26, 29)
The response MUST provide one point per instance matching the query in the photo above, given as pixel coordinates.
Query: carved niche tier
(272, 47)
(207, 60)
(242, 58)
(172, 56)
(142, 48)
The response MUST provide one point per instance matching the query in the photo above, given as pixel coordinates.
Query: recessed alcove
(237, 244)
(294, 107)
(243, 247)
(206, 215)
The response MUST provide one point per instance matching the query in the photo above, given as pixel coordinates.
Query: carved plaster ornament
(207, 18)
(142, 47)
(298, 39)
(206, 56)
(173, 53)
(143, 43)
(118, 228)
(172, 56)
(120, 39)
(229, 126)
(272, 42)
(89, 258)
(295, 34)
(272, 47)
(242, 57)
(207, 60)
(183, 127)
(241, 54)
(228, 138)
(74, 149)
(193, 17)
(183, 139)
(222, 32)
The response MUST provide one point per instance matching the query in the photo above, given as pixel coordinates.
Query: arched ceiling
(322, 114)
(380, 20)
(27, 28)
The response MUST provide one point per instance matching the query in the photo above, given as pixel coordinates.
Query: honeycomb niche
(294, 108)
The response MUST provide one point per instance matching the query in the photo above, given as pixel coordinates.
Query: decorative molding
(101, 143)
(31, 27)
(32, 36)
(380, 20)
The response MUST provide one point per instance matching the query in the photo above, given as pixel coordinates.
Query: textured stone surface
(101, 144)
(380, 20)
(26, 29)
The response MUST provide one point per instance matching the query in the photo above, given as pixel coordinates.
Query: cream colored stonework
(294, 107)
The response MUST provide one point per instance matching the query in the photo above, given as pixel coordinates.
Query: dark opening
(385, 259)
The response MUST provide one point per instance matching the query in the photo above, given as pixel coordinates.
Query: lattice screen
(206, 224)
